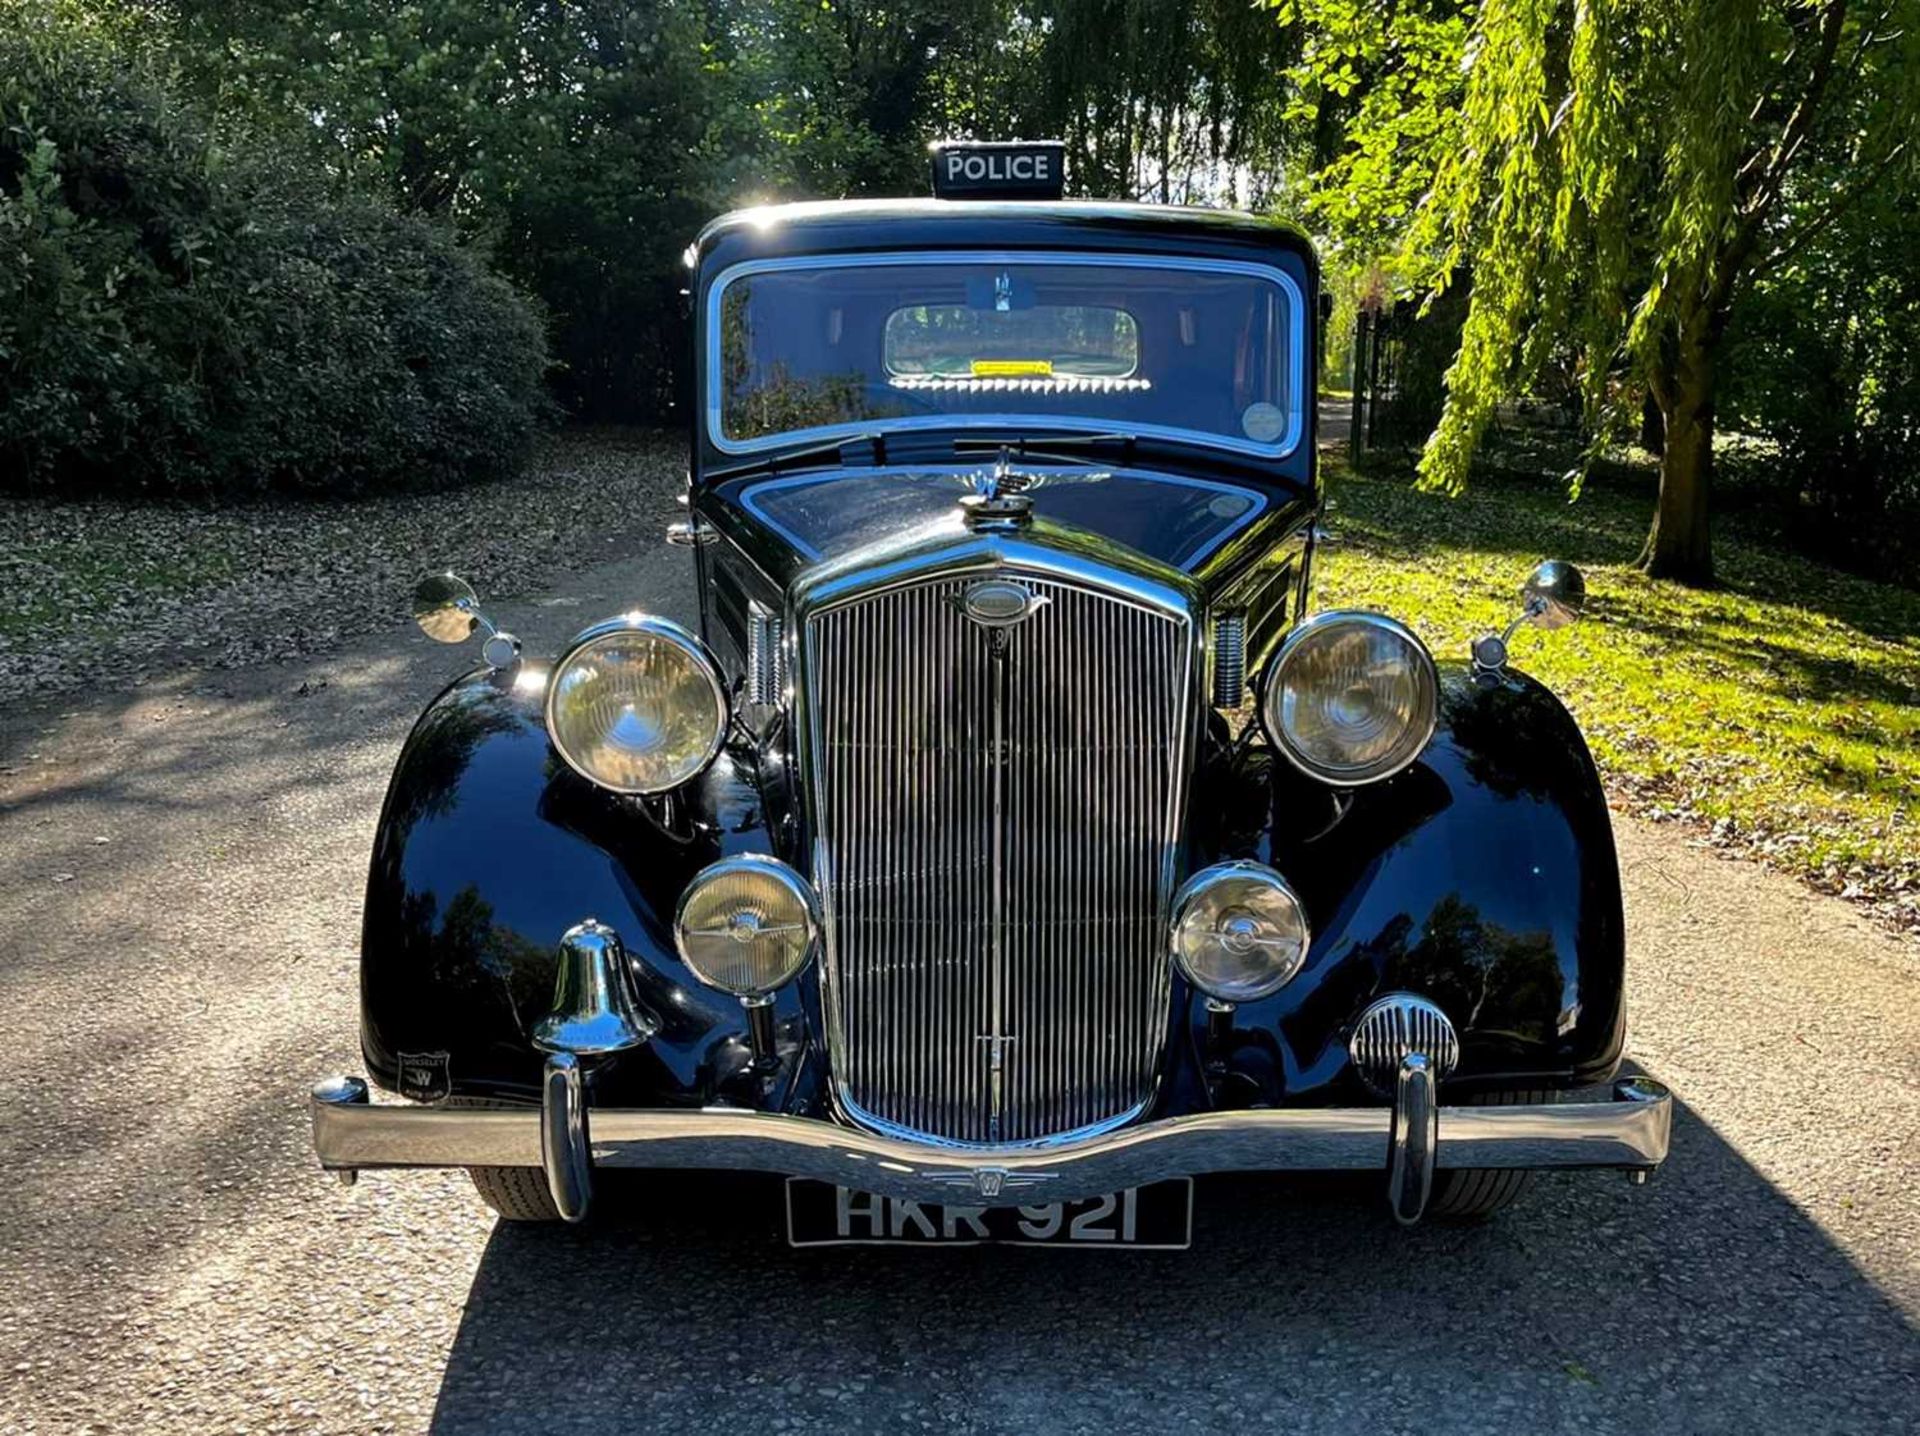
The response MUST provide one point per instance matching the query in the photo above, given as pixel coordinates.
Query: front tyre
(518, 1194)
(1474, 1194)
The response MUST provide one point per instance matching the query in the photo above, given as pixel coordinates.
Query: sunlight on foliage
(1607, 179)
(1782, 709)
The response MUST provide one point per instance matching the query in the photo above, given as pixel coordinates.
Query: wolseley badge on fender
(424, 1076)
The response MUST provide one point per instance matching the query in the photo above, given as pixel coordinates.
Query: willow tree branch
(1818, 225)
(1800, 123)
(1793, 135)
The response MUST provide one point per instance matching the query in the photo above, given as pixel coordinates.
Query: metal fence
(1400, 359)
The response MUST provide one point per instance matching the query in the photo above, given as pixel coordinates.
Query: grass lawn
(1779, 712)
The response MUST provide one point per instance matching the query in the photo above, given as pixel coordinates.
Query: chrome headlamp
(746, 925)
(1351, 697)
(637, 705)
(1239, 933)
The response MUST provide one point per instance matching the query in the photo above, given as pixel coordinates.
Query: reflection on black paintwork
(1172, 518)
(1494, 983)
(1497, 726)
(437, 756)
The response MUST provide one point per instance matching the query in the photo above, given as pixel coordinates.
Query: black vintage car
(1012, 841)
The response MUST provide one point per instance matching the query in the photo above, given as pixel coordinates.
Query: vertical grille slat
(993, 853)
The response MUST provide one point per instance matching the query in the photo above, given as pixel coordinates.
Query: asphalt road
(178, 924)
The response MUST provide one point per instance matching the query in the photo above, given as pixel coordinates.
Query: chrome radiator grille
(995, 813)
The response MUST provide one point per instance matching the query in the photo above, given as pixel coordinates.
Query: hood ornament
(996, 501)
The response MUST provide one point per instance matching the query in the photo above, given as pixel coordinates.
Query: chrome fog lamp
(1351, 697)
(1397, 1025)
(1239, 933)
(747, 925)
(637, 705)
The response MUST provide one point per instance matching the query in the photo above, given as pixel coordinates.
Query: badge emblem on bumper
(990, 1181)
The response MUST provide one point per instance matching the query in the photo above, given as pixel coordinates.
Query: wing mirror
(448, 611)
(1554, 595)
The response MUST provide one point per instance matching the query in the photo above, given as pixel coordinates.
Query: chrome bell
(594, 1014)
(594, 1011)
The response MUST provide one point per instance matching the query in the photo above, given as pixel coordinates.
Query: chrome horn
(1554, 595)
(594, 1015)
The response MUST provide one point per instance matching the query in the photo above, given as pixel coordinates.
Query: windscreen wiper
(1071, 447)
(797, 458)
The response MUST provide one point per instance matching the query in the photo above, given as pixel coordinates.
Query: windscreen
(1206, 351)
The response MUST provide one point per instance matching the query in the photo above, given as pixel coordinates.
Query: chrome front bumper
(1408, 1141)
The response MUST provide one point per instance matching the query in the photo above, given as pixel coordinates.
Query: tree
(851, 91)
(183, 306)
(1180, 103)
(584, 142)
(1616, 174)
(1820, 359)
(581, 143)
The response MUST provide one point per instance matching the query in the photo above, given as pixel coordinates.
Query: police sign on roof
(1014, 169)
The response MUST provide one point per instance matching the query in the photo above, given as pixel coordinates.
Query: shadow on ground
(1703, 1302)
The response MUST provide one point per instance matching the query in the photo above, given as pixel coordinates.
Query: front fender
(1483, 877)
(489, 848)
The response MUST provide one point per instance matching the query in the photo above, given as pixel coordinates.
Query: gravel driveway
(180, 908)
(105, 592)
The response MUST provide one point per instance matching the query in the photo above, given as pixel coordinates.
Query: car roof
(905, 224)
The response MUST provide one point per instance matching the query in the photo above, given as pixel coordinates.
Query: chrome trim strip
(1046, 550)
(1297, 393)
(1631, 1133)
(852, 1111)
(766, 668)
(1226, 657)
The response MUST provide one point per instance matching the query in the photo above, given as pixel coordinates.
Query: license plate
(1151, 1218)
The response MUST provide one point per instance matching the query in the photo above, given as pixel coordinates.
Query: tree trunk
(1680, 545)
(1653, 426)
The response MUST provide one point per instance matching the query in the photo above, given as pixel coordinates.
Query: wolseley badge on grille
(999, 602)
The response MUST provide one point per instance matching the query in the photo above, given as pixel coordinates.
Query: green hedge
(189, 313)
